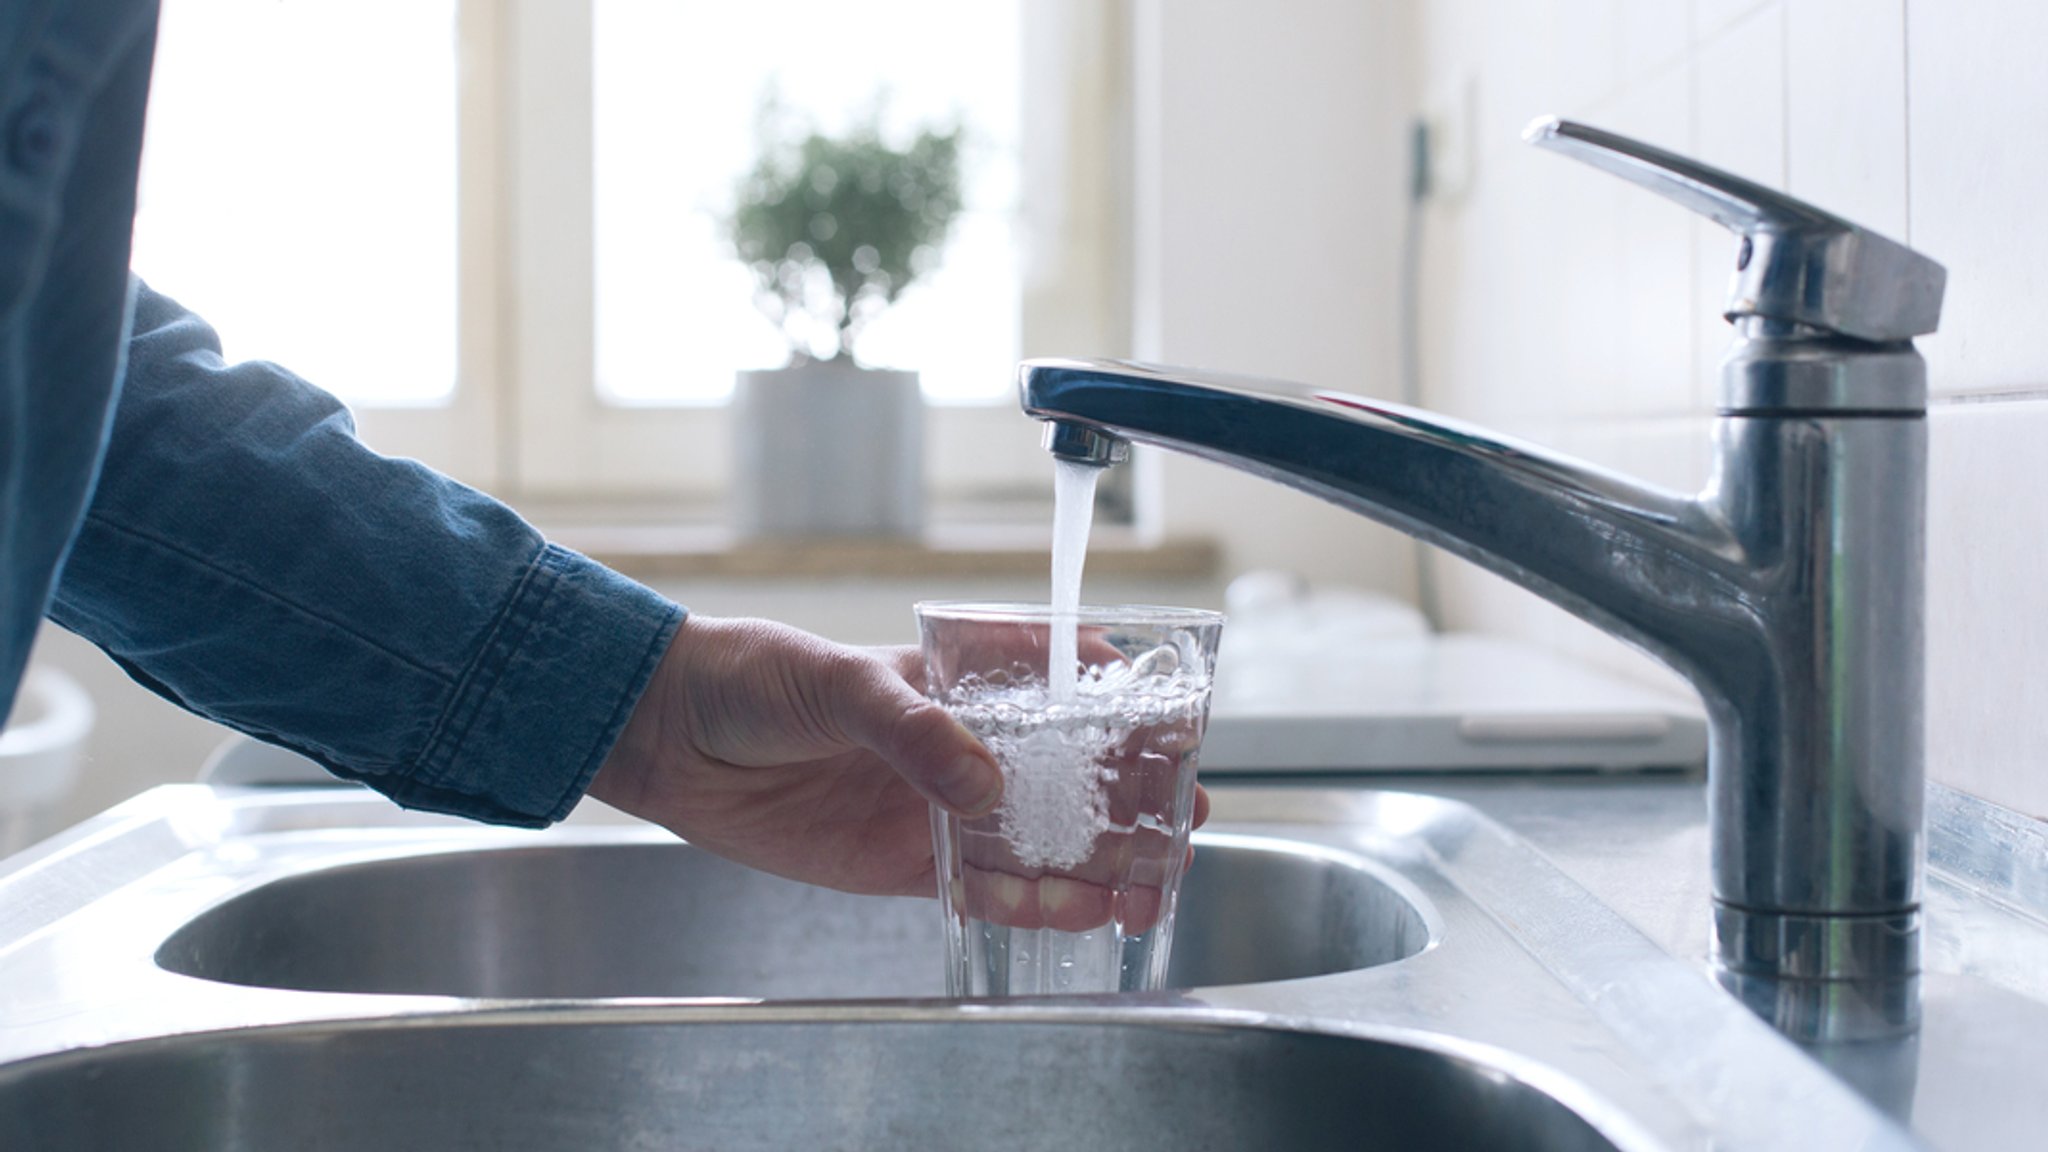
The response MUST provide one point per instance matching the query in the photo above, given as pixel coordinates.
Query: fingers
(1123, 881)
(1062, 903)
(906, 659)
(1122, 878)
(876, 708)
(781, 696)
(1057, 902)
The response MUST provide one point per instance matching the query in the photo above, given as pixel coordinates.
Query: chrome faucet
(1789, 591)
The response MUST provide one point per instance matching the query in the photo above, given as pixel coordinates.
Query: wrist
(630, 768)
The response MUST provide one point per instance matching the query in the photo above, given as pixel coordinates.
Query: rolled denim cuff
(541, 704)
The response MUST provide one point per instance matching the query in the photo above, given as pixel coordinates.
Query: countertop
(1971, 1077)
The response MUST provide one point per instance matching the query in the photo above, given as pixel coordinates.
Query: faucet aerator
(1082, 444)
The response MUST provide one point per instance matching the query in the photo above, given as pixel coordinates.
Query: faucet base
(1829, 1011)
(1822, 978)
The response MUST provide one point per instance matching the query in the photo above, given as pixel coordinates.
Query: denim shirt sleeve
(246, 557)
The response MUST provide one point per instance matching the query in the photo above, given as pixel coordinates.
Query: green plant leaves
(834, 228)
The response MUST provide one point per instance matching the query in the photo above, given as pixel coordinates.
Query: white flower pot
(828, 449)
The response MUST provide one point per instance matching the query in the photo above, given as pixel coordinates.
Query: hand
(792, 754)
(808, 759)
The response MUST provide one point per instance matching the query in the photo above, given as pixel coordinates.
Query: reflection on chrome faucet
(1788, 591)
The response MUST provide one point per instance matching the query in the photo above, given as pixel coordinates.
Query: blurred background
(492, 227)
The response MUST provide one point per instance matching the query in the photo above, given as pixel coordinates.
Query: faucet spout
(1603, 545)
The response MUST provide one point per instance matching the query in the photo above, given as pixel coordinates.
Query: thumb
(926, 746)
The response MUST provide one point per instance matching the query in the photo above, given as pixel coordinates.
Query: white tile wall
(1987, 625)
(1739, 124)
(1586, 37)
(1712, 16)
(1654, 36)
(1655, 264)
(1924, 119)
(1977, 117)
(1845, 109)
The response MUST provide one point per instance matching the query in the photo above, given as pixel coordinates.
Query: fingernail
(1012, 901)
(1073, 905)
(973, 786)
(1057, 894)
(1006, 894)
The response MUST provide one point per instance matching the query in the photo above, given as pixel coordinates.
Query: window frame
(526, 252)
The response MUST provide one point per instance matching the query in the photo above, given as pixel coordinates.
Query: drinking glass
(1069, 886)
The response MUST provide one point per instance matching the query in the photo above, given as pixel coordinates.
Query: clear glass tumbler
(1069, 886)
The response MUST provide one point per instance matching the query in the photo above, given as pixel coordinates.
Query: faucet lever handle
(1796, 263)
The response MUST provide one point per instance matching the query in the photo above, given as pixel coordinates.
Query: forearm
(248, 558)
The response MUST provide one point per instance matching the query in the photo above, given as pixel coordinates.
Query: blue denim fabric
(246, 557)
(73, 77)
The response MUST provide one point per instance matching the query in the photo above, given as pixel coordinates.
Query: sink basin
(582, 920)
(254, 968)
(512, 1081)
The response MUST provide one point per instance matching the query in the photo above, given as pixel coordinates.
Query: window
(489, 224)
(675, 86)
(279, 191)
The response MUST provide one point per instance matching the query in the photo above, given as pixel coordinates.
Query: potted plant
(834, 228)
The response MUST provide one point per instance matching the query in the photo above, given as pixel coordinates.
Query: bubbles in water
(1053, 803)
(1056, 757)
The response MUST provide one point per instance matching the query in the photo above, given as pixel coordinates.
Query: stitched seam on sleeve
(473, 689)
(239, 581)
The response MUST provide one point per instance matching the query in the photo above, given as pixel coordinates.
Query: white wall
(1269, 193)
(1582, 313)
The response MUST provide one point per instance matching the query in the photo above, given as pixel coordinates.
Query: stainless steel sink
(512, 1082)
(610, 919)
(209, 968)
